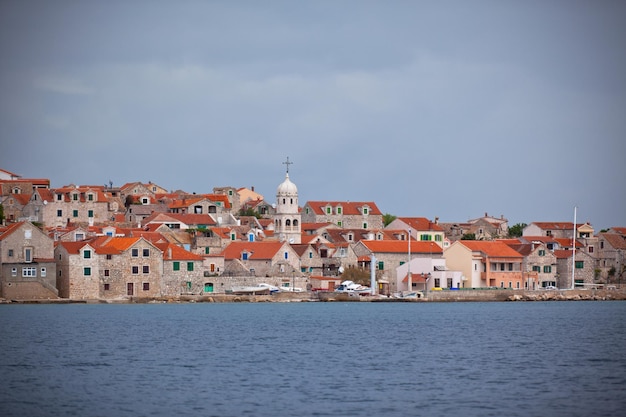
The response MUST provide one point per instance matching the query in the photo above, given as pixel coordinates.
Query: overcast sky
(432, 109)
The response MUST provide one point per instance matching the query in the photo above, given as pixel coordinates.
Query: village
(140, 241)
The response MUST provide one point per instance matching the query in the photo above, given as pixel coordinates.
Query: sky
(448, 109)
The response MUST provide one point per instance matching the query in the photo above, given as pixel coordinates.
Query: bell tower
(287, 220)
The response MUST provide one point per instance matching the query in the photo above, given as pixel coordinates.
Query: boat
(351, 287)
(273, 289)
(409, 295)
(251, 290)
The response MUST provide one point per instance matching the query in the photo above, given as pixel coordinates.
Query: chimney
(436, 220)
(252, 188)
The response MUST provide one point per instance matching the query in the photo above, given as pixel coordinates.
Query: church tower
(287, 220)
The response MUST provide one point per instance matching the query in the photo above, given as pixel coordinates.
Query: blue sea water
(314, 359)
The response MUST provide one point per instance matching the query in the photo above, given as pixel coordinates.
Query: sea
(314, 359)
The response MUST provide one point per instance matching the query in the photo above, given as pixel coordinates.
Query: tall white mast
(409, 279)
(574, 250)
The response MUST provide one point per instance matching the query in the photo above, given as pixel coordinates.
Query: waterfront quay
(473, 295)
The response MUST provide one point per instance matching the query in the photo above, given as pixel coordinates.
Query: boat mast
(409, 279)
(574, 250)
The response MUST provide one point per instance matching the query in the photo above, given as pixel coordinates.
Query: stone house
(351, 215)
(310, 259)
(261, 259)
(389, 254)
(584, 269)
(486, 263)
(539, 266)
(420, 229)
(78, 205)
(13, 206)
(218, 206)
(27, 267)
(610, 253)
(140, 189)
(552, 229)
(183, 272)
(231, 193)
(109, 268)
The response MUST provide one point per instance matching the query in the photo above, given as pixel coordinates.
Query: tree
(517, 229)
(357, 275)
(249, 212)
(388, 218)
(468, 236)
(1, 214)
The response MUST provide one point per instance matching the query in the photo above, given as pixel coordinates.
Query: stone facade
(27, 268)
(350, 215)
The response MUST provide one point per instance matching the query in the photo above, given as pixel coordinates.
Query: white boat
(291, 289)
(273, 289)
(411, 295)
(353, 288)
(250, 290)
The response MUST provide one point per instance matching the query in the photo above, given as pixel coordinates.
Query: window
(437, 283)
(146, 269)
(90, 198)
(510, 267)
(510, 284)
(75, 213)
(89, 213)
(501, 284)
(29, 272)
(146, 286)
(340, 223)
(75, 197)
(134, 253)
(310, 254)
(328, 210)
(364, 225)
(135, 270)
(580, 264)
(438, 239)
(189, 266)
(536, 268)
(590, 249)
(365, 210)
(547, 269)
(87, 254)
(176, 266)
(43, 272)
(381, 266)
(10, 253)
(109, 257)
(286, 255)
(28, 255)
(59, 197)
(107, 287)
(13, 272)
(542, 252)
(59, 213)
(146, 253)
(87, 271)
(244, 256)
(107, 273)
(206, 250)
(339, 210)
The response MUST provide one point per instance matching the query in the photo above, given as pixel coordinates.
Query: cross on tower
(287, 163)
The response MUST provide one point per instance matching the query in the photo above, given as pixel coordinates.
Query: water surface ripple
(314, 359)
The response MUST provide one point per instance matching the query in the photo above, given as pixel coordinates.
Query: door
(208, 287)
(130, 288)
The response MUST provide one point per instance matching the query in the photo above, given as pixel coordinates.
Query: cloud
(63, 85)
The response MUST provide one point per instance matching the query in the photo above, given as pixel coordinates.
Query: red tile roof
(494, 249)
(257, 250)
(349, 208)
(421, 224)
(401, 246)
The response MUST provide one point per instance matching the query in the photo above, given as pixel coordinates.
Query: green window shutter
(189, 266)
(176, 266)
(381, 266)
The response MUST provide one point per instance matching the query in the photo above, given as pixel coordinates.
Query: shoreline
(434, 296)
